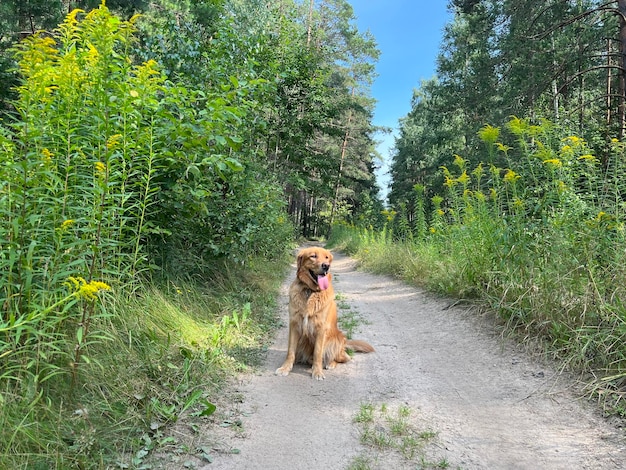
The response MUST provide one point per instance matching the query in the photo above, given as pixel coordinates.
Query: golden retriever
(314, 337)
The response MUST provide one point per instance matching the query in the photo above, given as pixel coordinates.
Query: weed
(384, 430)
(360, 463)
(349, 320)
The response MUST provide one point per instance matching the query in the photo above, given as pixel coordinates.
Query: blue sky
(408, 33)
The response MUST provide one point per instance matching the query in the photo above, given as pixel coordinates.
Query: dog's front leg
(318, 356)
(291, 351)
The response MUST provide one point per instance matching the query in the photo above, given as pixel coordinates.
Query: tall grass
(540, 241)
(101, 345)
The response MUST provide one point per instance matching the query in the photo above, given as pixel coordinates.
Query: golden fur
(314, 337)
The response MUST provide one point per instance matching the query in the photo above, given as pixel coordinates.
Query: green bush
(540, 242)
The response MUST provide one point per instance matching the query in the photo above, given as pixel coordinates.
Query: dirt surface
(490, 405)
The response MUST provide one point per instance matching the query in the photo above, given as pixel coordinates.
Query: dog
(314, 337)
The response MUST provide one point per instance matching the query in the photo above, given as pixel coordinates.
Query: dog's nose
(325, 267)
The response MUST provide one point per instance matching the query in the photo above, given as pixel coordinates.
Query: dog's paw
(331, 366)
(283, 371)
(318, 374)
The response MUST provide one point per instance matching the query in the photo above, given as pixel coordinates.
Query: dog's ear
(303, 273)
(299, 260)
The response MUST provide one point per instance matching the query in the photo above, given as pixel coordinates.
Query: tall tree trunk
(344, 148)
(609, 77)
(622, 71)
(310, 25)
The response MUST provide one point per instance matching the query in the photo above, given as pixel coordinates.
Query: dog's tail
(359, 346)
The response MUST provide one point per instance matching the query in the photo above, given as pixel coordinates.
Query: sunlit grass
(167, 351)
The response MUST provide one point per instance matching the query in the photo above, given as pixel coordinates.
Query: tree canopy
(557, 60)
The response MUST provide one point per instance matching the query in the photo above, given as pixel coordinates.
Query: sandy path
(491, 406)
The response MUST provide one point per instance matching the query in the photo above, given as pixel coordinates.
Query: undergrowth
(540, 242)
(165, 352)
(121, 192)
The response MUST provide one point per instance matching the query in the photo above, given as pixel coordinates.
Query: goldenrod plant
(540, 241)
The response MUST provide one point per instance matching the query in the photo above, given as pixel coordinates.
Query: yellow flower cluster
(459, 161)
(511, 177)
(463, 178)
(101, 168)
(589, 158)
(47, 156)
(67, 224)
(86, 290)
(489, 134)
(113, 141)
(555, 162)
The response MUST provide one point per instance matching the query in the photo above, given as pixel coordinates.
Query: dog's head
(313, 265)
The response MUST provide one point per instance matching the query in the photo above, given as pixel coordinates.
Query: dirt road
(490, 406)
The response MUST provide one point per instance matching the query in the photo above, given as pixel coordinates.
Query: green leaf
(209, 408)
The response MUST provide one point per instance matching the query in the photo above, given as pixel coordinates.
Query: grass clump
(390, 434)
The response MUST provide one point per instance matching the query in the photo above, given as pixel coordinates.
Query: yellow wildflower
(450, 181)
(510, 176)
(502, 148)
(389, 214)
(517, 126)
(67, 224)
(86, 290)
(100, 167)
(478, 171)
(113, 141)
(574, 141)
(464, 178)
(588, 157)
(567, 150)
(493, 194)
(93, 55)
(459, 161)
(440, 212)
(489, 134)
(432, 229)
(134, 93)
(518, 203)
(554, 162)
(47, 156)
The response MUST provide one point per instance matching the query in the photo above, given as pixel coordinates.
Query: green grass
(348, 319)
(390, 433)
(164, 352)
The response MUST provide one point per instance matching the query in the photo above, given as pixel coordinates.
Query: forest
(160, 159)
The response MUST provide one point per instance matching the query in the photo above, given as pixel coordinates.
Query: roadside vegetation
(540, 242)
(508, 180)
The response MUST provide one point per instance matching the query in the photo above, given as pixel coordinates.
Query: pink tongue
(322, 281)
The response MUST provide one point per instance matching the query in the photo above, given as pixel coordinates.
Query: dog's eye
(314, 256)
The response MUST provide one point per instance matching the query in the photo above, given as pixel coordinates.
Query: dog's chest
(308, 326)
(308, 312)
